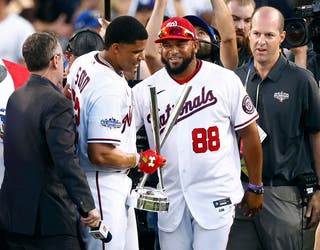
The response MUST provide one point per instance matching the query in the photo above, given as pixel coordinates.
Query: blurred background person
(242, 11)
(14, 29)
(56, 16)
(88, 19)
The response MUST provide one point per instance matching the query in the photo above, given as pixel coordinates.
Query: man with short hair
(287, 99)
(202, 177)
(242, 11)
(43, 183)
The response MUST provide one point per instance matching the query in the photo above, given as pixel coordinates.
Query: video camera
(304, 27)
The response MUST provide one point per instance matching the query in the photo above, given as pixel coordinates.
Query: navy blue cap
(197, 21)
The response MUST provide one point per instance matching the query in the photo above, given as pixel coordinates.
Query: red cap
(176, 28)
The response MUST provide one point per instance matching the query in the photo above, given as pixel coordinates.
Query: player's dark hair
(84, 41)
(38, 50)
(124, 29)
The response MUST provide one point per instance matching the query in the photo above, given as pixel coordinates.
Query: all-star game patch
(281, 96)
(110, 123)
(247, 105)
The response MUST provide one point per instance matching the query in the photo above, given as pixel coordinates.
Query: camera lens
(296, 33)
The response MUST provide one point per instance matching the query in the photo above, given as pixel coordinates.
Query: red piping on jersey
(99, 200)
(187, 79)
(240, 125)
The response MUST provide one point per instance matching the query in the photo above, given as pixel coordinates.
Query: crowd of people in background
(242, 184)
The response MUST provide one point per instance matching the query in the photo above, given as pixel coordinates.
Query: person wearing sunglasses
(202, 176)
(220, 49)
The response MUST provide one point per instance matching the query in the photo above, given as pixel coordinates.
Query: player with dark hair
(202, 177)
(106, 128)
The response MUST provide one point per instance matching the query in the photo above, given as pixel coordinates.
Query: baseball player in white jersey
(8, 83)
(202, 176)
(106, 127)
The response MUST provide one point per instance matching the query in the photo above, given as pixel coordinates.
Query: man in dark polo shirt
(287, 99)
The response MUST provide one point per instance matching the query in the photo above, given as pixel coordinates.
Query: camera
(304, 27)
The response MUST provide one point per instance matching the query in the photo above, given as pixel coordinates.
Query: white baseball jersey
(104, 114)
(203, 165)
(103, 108)
(7, 86)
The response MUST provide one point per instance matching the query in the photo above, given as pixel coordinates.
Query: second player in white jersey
(106, 106)
(203, 165)
(106, 128)
(103, 114)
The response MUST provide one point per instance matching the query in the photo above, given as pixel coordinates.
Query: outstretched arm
(152, 56)
(223, 22)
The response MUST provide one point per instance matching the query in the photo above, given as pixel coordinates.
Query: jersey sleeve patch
(247, 105)
(110, 123)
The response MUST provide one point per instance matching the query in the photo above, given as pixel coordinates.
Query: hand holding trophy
(148, 198)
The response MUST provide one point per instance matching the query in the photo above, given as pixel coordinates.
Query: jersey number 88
(205, 139)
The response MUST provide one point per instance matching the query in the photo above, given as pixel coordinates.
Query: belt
(278, 181)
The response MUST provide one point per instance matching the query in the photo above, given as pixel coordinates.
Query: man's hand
(150, 161)
(92, 220)
(253, 202)
(313, 210)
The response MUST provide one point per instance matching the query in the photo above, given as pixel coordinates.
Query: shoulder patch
(110, 123)
(247, 105)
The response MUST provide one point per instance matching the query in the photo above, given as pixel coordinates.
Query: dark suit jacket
(43, 181)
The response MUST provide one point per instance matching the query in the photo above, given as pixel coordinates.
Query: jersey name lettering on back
(202, 101)
(82, 79)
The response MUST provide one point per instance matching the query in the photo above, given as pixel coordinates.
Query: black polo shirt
(288, 103)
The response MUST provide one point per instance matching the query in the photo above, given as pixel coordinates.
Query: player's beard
(179, 69)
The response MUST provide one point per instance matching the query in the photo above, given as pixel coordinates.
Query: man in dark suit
(43, 184)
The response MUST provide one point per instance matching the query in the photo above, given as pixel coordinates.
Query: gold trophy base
(150, 199)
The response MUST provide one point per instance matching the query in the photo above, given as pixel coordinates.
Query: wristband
(133, 161)
(257, 189)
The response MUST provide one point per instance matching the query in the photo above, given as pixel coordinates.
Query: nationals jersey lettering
(127, 120)
(203, 100)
